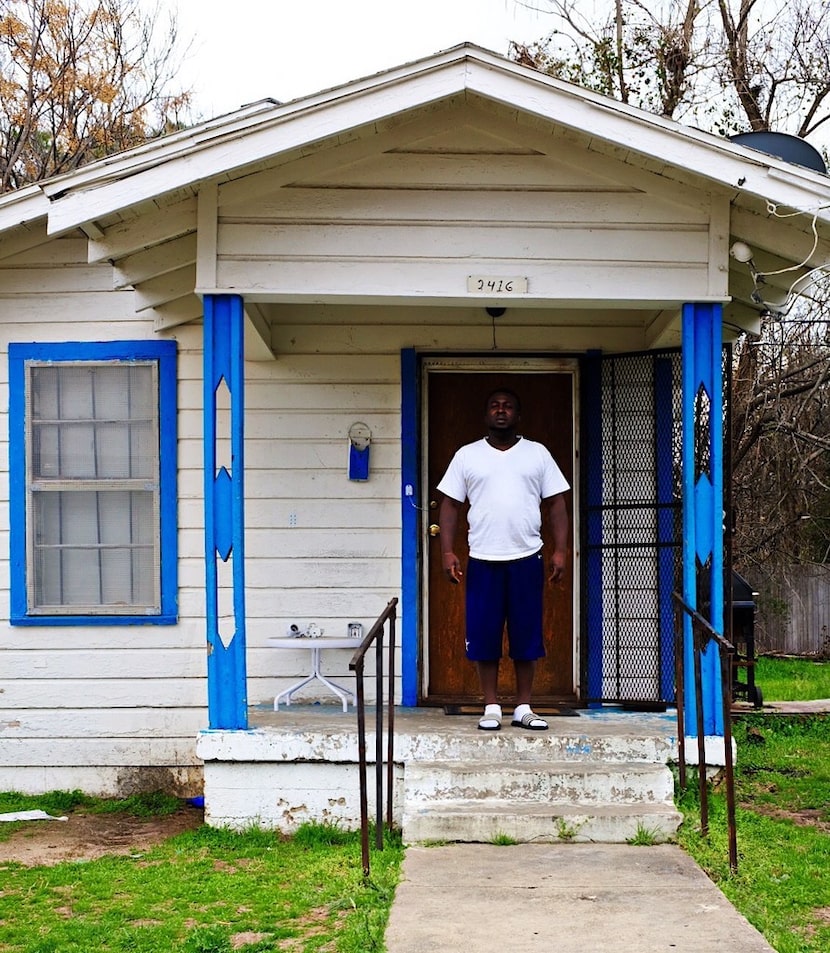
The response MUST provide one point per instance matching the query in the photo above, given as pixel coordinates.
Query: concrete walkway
(573, 898)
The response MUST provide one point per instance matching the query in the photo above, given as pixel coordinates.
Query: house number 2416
(485, 284)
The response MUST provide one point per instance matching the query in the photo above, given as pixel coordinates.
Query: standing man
(510, 482)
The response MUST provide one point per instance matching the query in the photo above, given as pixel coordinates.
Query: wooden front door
(455, 417)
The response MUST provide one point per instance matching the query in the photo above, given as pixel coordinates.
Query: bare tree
(727, 65)
(781, 444)
(80, 79)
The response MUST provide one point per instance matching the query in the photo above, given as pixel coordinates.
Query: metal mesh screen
(634, 524)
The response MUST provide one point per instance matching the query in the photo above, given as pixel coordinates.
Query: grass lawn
(792, 679)
(783, 816)
(202, 891)
(212, 891)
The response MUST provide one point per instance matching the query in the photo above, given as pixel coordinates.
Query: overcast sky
(245, 50)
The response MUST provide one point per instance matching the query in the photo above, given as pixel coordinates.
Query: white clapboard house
(238, 358)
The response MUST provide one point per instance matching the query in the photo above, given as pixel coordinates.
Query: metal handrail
(702, 635)
(375, 634)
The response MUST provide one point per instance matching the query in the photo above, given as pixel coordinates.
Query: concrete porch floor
(604, 723)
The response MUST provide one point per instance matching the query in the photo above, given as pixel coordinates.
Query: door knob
(434, 529)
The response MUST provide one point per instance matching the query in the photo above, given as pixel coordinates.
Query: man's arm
(557, 517)
(448, 523)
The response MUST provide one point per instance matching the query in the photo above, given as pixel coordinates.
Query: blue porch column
(703, 516)
(224, 511)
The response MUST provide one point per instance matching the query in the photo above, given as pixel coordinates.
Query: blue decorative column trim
(703, 499)
(224, 510)
(410, 589)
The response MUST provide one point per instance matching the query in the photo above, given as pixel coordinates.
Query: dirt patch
(88, 836)
(807, 817)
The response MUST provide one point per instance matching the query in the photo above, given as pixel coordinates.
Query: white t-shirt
(505, 488)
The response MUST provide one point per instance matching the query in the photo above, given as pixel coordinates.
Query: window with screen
(93, 501)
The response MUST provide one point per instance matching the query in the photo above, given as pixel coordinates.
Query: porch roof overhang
(161, 181)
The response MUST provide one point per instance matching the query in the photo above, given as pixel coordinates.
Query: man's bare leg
(488, 676)
(525, 670)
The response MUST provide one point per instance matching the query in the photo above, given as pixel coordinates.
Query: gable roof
(166, 171)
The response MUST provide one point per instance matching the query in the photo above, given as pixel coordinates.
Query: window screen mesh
(94, 462)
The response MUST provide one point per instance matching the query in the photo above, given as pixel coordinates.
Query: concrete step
(476, 821)
(541, 801)
(549, 782)
(568, 742)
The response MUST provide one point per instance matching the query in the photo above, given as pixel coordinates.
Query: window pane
(93, 421)
(95, 549)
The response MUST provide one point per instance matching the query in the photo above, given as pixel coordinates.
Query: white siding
(104, 708)
(320, 547)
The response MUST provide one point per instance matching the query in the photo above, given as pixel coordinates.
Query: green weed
(500, 839)
(566, 831)
(645, 836)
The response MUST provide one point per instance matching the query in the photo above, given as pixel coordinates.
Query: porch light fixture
(741, 252)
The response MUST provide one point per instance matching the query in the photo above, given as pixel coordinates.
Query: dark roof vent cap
(789, 148)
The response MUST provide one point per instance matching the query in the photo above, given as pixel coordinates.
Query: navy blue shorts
(505, 592)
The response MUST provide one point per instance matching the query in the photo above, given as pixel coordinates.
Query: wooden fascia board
(305, 122)
(216, 160)
(609, 303)
(740, 319)
(216, 131)
(23, 207)
(696, 153)
(718, 249)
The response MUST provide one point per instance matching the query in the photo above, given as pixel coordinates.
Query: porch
(597, 774)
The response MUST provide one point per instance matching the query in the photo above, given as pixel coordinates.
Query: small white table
(316, 647)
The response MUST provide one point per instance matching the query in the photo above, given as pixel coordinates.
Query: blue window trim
(164, 352)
